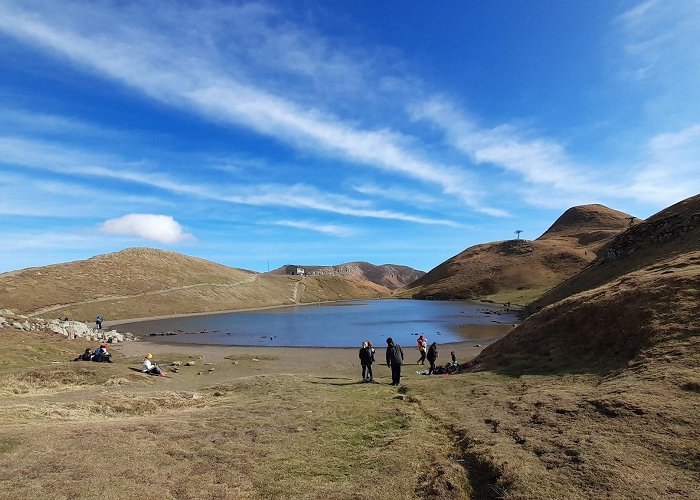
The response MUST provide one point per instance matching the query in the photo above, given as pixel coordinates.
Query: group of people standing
(395, 356)
(394, 359)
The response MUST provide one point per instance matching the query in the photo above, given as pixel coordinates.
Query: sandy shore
(289, 359)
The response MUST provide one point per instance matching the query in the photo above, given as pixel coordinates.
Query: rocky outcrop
(650, 233)
(67, 328)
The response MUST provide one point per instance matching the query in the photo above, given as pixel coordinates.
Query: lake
(335, 324)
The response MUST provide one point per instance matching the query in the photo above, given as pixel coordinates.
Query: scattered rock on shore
(69, 329)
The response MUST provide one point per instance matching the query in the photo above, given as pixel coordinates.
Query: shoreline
(297, 357)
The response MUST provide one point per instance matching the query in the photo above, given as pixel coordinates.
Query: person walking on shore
(98, 322)
(394, 359)
(432, 356)
(366, 359)
(422, 348)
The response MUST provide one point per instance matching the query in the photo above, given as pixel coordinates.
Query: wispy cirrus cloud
(672, 170)
(666, 171)
(395, 193)
(24, 121)
(657, 35)
(537, 160)
(660, 61)
(331, 229)
(40, 155)
(187, 69)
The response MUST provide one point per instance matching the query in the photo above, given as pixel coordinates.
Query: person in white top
(150, 367)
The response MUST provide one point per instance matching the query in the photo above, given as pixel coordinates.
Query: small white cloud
(160, 228)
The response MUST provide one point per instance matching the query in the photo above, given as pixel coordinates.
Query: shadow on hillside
(517, 370)
(322, 380)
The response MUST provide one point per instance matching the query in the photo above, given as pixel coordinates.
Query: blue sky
(311, 132)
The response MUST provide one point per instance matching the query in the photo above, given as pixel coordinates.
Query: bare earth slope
(520, 270)
(391, 276)
(142, 282)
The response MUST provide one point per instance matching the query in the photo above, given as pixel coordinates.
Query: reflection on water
(338, 324)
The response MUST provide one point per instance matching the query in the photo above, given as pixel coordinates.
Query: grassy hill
(596, 395)
(647, 311)
(671, 232)
(519, 271)
(143, 282)
(641, 293)
(391, 276)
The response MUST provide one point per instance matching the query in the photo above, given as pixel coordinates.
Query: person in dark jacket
(394, 359)
(86, 356)
(366, 359)
(432, 356)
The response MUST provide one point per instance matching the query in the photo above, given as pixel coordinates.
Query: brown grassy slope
(391, 276)
(276, 427)
(671, 232)
(520, 270)
(131, 271)
(609, 326)
(264, 291)
(146, 282)
(634, 435)
(625, 424)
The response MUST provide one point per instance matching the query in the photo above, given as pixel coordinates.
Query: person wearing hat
(150, 367)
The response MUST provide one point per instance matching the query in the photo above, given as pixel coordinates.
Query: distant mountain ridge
(519, 271)
(391, 276)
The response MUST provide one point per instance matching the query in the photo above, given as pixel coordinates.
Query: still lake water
(336, 324)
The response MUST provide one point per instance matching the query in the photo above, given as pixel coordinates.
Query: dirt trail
(54, 307)
(296, 296)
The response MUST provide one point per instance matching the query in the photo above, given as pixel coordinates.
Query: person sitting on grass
(101, 355)
(86, 356)
(150, 367)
